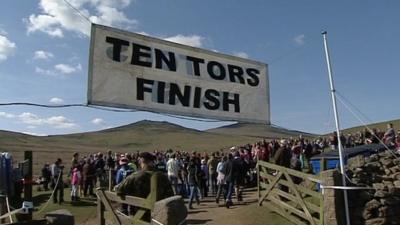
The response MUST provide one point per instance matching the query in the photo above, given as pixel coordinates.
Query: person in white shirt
(173, 172)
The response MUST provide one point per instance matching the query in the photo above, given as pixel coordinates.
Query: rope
(159, 223)
(347, 188)
(78, 11)
(8, 209)
(10, 214)
(366, 126)
(51, 196)
(106, 109)
(42, 105)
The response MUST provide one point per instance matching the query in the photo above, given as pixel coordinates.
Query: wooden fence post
(100, 212)
(110, 179)
(322, 165)
(258, 181)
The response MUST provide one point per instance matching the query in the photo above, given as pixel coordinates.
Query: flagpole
(333, 95)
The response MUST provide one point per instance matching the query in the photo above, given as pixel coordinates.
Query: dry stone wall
(380, 205)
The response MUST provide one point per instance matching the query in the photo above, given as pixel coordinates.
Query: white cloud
(67, 69)
(98, 121)
(7, 47)
(241, 54)
(42, 71)
(56, 100)
(60, 122)
(299, 39)
(192, 40)
(40, 54)
(33, 120)
(59, 69)
(57, 17)
(7, 115)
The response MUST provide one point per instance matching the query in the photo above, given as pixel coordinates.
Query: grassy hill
(258, 131)
(143, 136)
(381, 126)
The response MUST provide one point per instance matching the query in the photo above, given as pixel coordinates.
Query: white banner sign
(129, 70)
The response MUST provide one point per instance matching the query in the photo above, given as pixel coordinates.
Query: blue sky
(44, 47)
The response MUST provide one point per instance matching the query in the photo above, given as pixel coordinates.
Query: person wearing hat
(239, 173)
(75, 160)
(283, 157)
(123, 172)
(88, 177)
(230, 178)
(138, 183)
(46, 176)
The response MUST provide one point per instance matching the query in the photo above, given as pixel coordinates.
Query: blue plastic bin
(332, 157)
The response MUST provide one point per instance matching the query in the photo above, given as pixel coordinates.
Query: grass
(83, 210)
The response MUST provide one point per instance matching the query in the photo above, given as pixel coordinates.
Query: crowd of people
(195, 175)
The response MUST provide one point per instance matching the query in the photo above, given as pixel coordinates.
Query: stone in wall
(381, 205)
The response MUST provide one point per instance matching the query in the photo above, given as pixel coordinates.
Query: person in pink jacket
(75, 181)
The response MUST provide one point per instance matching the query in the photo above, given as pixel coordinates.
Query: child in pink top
(75, 181)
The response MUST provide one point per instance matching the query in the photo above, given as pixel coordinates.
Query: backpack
(126, 173)
(295, 163)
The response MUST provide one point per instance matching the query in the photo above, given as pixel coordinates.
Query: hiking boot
(217, 200)
(190, 207)
(228, 204)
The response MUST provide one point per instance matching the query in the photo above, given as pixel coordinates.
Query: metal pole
(28, 182)
(342, 163)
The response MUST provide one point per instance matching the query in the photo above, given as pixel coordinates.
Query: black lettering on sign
(117, 46)
(235, 72)
(213, 102)
(227, 101)
(196, 64)
(169, 61)
(139, 51)
(174, 91)
(160, 91)
(197, 97)
(216, 70)
(140, 87)
(253, 74)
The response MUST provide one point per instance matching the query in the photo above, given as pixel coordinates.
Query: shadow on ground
(196, 211)
(197, 221)
(41, 198)
(83, 203)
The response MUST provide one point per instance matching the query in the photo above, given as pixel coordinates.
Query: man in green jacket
(138, 183)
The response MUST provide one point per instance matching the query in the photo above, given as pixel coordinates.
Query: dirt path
(208, 212)
(242, 213)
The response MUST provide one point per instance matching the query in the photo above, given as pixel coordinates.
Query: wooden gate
(290, 193)
(108, 201)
